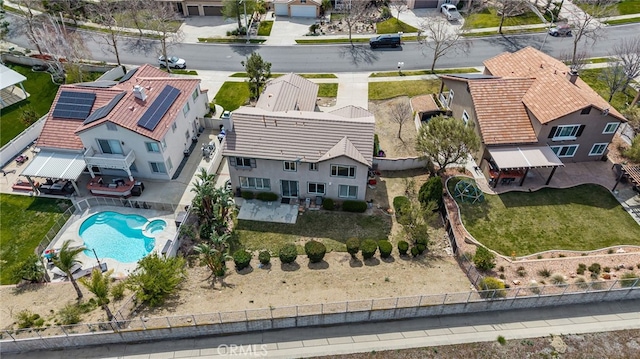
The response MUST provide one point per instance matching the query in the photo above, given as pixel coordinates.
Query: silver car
(174, 62)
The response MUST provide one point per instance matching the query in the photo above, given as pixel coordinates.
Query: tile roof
(291, 135)
(424, 103)
(62, 133)
(552, 95)
(289, 92)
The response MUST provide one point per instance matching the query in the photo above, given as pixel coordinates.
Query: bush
(267, 196)
(247, 195)
(490, 287)
(70, 314)
(31, 269)
(403, 247)
(264, 257)
(557, 279)
(27, 319)
(117, 290)
(354, 206)
(431, 191)
(242, 259)
(401, 204)
(421, 248)
(484, 259)
(581, 268)
(353, 246)
(606, 269)
(581, 283)
(385, 248)
(544, 272)
(629, 280)
(156, 278)
(376, 145)
(315, 251)
(415, 251)
(328, 204)
(521, 271)
(502, 340)
(595, 268)
(288, 253)
(369, 248)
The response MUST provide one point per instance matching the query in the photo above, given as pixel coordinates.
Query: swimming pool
(119, 236)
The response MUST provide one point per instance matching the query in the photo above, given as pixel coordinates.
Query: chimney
(572, 76)
(138, 92)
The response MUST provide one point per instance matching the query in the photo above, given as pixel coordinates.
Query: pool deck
(120, 270)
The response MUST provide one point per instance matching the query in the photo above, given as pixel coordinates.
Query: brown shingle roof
(289, 92)
(552, 95)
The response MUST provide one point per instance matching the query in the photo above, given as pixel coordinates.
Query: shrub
(353, 246)
(376, 145)
(431, 191)
(595, 268)
(267, 196)
(581, 268)
(247, 194)
(610, 251)
(27, 319)
(242, 259)
(354, 206)
(117, 290)
(403, 247)
(415, 252)
(421, 248)
(264, 257)
(423, 240)
(544, 273)
(581, 283)
(502, 276)
(288, 253)
(484, 259)
(70, 314)
(31, 269)
(629, 280)
(606, 269)
(534, 288)
(156, 278)
(502, 340)
(328, 204)
(557, 279)
(385, 248)
(501, 269)
(315, 251)
(521, 271)
(400, 204)
(368, 248)
(490, 287)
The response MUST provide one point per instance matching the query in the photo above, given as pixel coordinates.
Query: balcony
(107, 160)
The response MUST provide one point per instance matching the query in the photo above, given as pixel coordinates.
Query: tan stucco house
(297, 8)
(530, 111)
(285, 146)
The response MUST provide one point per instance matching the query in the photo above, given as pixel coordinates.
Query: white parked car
(450, 12)
(174, 62)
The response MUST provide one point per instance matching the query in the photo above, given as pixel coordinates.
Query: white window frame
(335, 170)
(113, 144)
(572, 129)
(465, 117)
(241, 162)
(313, 166)
(348, 188)
(290, 166)
(164, 143)
(112, 126)
(194, 95)
(606, 127)
(315, 186)
(558, 149)
(174, 126)
(160, 167)
(186, 109)
(169, 164)
(450, 99)
(152, 147)
(255, 183)
(603, 145)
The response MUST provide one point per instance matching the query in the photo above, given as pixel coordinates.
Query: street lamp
(246, 24)
(550, 24)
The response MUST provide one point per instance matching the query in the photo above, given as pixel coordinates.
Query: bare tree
(160, 18)
(576, 62)
(137, 9)
(105, 14)
(628, 51)
(65, 7)
(400, 113)
(29, 23)
(614, 77)
(442, 39)
(64, 46)
(585, 25)
(400, 6)
(510, 8)
(353, 12)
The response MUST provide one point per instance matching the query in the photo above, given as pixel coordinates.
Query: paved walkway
(369, 337)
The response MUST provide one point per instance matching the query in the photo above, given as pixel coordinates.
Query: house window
(185, 109)
(465, 117)
(610, 128)
(598, 149)
(256, 183)
(174, 126)
(343, 171)
(164, 143)
(313, 166)
(290, 166)
(112, 126)
(564, 151)
(586, 111)
(133, 167)
(187, 135)
(345, 191)
(569, 132)
(158, 167)
(110, 146)
(315, 188)
(450, 99)
(242, 162)
(169, 164)
(152, 146)
(194, 95)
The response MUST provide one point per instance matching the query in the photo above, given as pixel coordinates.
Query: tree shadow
(140, 45)
(358, 54)
(404, 257)
(372, 262)
(243, 50)
(265, 266)
(289, 267)
(28, 287)
(245, 271)
(355, 263)
(514, 43)
(317, 266)
(389, 259)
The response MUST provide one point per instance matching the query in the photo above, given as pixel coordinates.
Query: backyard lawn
(23, 224)
(42, 91)
(391, 89)
(332, 228)
(619, 101)
(585, 217)
(489, 18)
(233, 95)
(327, 90)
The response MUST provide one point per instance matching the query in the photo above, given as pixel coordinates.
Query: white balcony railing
(107, 160)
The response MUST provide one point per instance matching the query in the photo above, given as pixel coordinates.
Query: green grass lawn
(592, 78)
(623, 21)
(467, 70)
(393, 26)
(331, 228)
(489, 18)
(265, 28)
(329, 41)
(390, 89)
(328, 90)
(42, 91)
(23, 224)
(229, 40)
(233, 95)
(585, 217)
(624, 7)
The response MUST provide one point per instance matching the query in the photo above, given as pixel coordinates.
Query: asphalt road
(339, 58)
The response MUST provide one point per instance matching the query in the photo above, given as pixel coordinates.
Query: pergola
(518, 158)
(632, 172)
(10, 78)
(58, 165)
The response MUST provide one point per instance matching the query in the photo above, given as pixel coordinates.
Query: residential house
(530, 111)
(297, 8)
(284, 145)
(139, 126)
(197, 7)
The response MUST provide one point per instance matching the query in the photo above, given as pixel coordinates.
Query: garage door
(303, 11)
(212, 10)
(425, 4)
(193, 11)
(281, 9)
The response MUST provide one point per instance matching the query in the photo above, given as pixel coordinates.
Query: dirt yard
(387, 129)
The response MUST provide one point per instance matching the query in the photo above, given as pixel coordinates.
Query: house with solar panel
(286, 146)
(134, 128)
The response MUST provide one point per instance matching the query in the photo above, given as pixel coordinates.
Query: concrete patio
(255, 210)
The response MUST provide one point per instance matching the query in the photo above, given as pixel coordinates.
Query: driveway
(286, 30)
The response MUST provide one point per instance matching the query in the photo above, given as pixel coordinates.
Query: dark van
(387, 40)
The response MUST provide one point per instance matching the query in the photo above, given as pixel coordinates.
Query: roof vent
(138, 92)
(572, 76)
(131, 108)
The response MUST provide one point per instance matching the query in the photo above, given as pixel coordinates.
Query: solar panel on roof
(75, 105)
(158, 108)
(103, 111)
(128, 75)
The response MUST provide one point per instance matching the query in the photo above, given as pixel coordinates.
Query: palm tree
(214, 259)
(98, 284)
(66, 259)
(204, 188)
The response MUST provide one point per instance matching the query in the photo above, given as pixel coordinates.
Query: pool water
(156, 226)
(118, 236)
